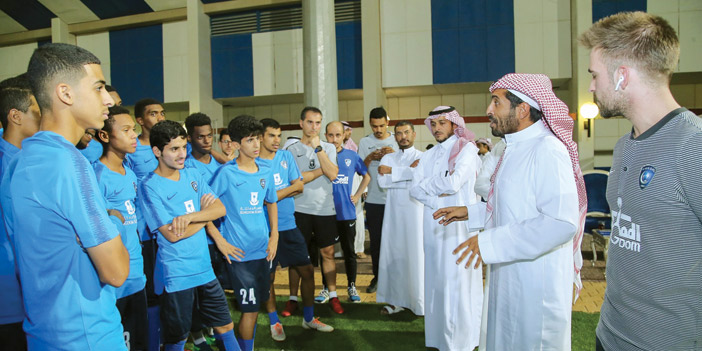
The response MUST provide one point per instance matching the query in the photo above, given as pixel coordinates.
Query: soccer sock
(308, 313)
(180, 346)
(332, 294)
(248, 345)
(154, 328)
(227, 341)
(273, 317)
(293, 298)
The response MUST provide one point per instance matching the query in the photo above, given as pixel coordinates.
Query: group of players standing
(126, 241)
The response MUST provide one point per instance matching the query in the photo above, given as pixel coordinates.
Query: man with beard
(401, 269)
(533, 219)
(372, 148)
(444, 177)
(653, 270)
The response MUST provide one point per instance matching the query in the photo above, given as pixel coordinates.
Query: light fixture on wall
(589, 111)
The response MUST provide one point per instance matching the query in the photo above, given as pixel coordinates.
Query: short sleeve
(363, 150)
(293, 170)
(271, 193)
(155, 212)
(218, 183)
(331, 152)
(360, 166)
(86, 211)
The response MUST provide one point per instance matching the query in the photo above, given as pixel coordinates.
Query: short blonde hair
(645, 41)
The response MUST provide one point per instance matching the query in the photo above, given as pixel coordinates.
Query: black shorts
(251, 281)
(12, 337)
(292, 250)
(148, 252)
(219, 266)
(320, 230)
(177, 310)
(132, 309)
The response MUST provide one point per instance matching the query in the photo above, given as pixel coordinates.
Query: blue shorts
(292, 250)
(251, 281)
(177, 310)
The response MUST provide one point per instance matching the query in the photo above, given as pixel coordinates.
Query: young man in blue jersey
(244, 186)
(19, 112)
(226, 145)
(292, 249)
(178, 204)
(52, 189)
(118, 184)
(345, 203)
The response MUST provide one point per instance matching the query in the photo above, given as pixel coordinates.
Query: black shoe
(373, 286)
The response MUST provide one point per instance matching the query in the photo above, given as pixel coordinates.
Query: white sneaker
(317, 325)
(277, 332)
(353, 294)
(323, 296)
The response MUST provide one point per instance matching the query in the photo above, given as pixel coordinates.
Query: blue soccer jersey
(142, 161)
(120, 194)
(245, 225)
(11, 310)
(349, 163)
(57, 208)
(93, 151)
(185, 263)
(206, 170)
(284, 170)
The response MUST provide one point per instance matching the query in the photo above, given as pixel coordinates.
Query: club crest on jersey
(647, 173)
(254, 199)
(284, 164)
(348, 162)
(194, 185)
(312, 164)
(263, 183)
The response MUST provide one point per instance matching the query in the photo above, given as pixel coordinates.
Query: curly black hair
(244, 126)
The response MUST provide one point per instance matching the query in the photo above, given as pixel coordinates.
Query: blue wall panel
(604, 8)
(472, 41)
(232, 66)
(349, 58)
(136, 56)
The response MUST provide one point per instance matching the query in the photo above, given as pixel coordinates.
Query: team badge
(284, 164)
(263, 183)
(254, 199)
(348, 162)
(647, 173)
(194, 185)
(312, 164)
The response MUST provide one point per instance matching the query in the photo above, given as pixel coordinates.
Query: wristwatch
(318, 149)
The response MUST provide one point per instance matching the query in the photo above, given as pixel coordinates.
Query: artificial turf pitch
(362, 327)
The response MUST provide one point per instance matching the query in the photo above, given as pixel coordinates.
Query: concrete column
(581, 20)
(200, 64)
(60, 33)
(319, 53)
(373, 93)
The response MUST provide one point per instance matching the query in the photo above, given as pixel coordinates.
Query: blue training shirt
(245, 225)
(349, 163)
(11, 308)
(142, 162)
(120, 194)
(56, 202)
(206, 170)
(93, 151)
(186, 263)
(284, 170)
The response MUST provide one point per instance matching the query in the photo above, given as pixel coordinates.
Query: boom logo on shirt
(348, 162)
(254, 199)
(189, 206)
(194, 185)
(625, 238)
(647, 173)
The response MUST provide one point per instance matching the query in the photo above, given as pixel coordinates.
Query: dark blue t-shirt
(349, 163)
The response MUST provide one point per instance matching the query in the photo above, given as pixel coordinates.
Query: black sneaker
(373, 286)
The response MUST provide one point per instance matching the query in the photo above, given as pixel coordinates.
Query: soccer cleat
(317, 325)
(277, 332)
(336, 305)
(323, 296)
(290, 308)
(353, 294)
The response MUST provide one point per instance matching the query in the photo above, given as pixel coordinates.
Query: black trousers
(374, 217)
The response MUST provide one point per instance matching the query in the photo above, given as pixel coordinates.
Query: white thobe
(359, 241)
(401, 268)
(528, 244)
(453, 295)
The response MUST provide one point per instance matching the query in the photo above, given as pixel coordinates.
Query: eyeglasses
(228, 142)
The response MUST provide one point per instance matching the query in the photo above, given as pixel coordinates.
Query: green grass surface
(362, 327)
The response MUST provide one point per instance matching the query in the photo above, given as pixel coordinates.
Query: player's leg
(214, 312)
(133, 312)
(347, 236)
(277, 331)
(148, 251)
(374, 215)
(251, 283)
(326, 236)
(176, 317)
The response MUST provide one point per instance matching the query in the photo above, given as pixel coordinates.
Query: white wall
(685, 16)
(15, 59)
(542, 37)
(277, 62)
(175, 62)
(99, 45)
